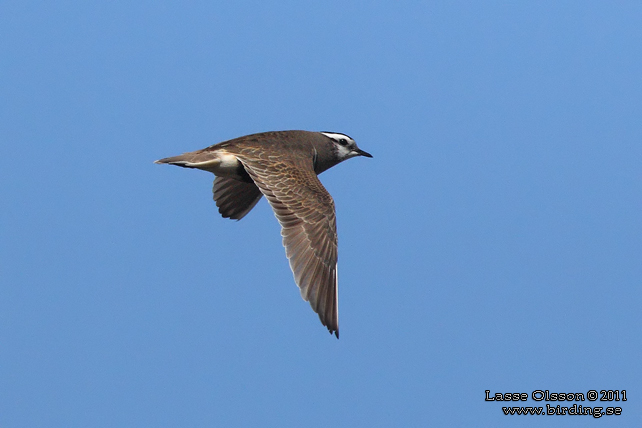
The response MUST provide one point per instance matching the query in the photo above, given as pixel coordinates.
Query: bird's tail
(185, 160)
(198, 159)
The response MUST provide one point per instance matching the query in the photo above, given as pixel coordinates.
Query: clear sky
(494, 242)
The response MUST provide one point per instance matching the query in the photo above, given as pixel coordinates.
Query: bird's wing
(235, 198)
(305, 210)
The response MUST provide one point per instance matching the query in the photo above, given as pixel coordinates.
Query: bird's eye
(343, 142)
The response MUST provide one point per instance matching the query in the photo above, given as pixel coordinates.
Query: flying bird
(283, 166)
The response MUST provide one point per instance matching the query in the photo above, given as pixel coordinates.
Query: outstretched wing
(305, 210)
(235, 198)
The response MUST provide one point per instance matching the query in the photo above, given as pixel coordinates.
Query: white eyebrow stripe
(336, 135)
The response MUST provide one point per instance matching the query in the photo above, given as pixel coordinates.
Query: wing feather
(306, 213)
(235, 198)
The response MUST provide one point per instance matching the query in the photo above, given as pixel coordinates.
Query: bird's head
(345, 146)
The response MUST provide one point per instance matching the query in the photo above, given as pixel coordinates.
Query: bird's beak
(362, 153)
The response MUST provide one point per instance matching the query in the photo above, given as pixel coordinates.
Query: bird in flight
(283, 166)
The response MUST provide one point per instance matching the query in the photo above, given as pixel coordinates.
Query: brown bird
(283, 166)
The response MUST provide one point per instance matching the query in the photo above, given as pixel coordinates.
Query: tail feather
(199, 159)
(171, 161)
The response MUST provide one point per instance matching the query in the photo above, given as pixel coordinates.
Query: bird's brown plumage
(283, 166)
(306, 213)
(235, 198)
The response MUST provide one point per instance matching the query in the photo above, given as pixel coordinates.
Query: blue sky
(494, 242)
